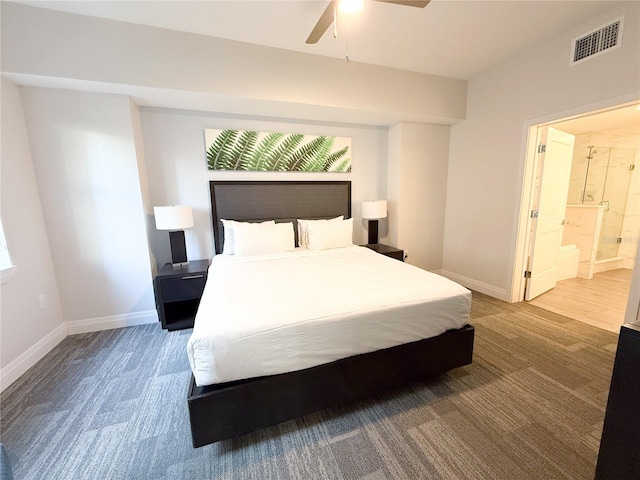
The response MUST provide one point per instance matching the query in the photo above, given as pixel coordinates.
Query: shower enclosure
(602, 176)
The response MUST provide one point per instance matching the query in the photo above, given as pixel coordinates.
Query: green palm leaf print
(254, 151)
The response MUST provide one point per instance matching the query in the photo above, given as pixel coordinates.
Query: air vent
(597, 41)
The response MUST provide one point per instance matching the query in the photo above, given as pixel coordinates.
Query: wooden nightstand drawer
(178, 291)
(186, 287)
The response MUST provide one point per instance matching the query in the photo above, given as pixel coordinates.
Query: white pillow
(229, 238)
(303, 237)
(263, 238)
(325, 235)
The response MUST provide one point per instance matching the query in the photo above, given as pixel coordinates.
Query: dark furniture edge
(167, 271)
(618, 454)
(194, 266)
(227, 410)
(388, 250)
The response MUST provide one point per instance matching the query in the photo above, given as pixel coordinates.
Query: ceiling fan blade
(407, 3)
(327, 17)
(325, 20)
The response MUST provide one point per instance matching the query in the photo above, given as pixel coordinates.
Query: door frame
(527, 191)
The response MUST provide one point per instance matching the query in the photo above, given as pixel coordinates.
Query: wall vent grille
(597, 42)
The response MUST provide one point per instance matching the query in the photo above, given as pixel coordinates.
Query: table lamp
(374, 210)
(175, 218)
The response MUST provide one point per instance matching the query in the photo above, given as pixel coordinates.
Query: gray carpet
(112, 405)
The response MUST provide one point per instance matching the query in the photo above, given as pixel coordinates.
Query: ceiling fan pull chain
(346, 41)
(346, 55)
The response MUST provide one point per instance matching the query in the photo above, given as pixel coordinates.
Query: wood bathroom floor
(600, 302)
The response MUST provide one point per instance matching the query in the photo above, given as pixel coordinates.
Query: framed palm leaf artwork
(276, 152)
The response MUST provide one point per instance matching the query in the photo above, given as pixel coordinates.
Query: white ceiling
(627, 117)
(451, 38)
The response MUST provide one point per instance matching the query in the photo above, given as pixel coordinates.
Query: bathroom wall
(619, 185)
(582, 229)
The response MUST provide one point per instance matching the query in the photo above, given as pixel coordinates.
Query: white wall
(207, 73)
(230, 79)
(143, 177)
(416, 190)
(85, 161)
(27, 332)
(176, 158)
(487, 152)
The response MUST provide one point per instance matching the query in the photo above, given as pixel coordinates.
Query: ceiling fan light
(350, 6)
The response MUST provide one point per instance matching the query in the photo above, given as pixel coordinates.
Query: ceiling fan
(329, 15)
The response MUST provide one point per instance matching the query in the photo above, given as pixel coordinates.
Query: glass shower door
(615, 189)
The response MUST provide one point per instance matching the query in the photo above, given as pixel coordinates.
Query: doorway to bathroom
(594, 259)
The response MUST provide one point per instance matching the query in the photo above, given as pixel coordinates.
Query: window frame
(7, 267)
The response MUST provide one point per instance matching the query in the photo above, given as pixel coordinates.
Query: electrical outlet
(43, 301)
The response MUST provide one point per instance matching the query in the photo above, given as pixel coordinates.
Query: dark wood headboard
(284, 201)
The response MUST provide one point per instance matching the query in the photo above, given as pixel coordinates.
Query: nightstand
(392, 252)
(178, 291)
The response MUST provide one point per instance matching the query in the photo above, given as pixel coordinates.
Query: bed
(364, 336)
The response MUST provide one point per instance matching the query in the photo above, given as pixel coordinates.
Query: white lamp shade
(174, 217)
(374, 209)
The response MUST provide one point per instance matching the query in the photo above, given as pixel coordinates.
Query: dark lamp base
(178, 248)
(373, 232)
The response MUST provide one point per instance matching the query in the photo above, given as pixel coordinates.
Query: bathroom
(602, 221)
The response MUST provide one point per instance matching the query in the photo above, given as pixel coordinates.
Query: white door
(553, 186)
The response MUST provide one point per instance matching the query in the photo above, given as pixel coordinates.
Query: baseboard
(608, 264)
(33, 355)
(113, 321)
(471, 284)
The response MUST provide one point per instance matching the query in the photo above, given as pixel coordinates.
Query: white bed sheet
(270, 314)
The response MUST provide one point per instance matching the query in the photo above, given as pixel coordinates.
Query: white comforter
(270, 314)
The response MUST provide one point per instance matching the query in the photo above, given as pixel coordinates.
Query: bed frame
(223, 411)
